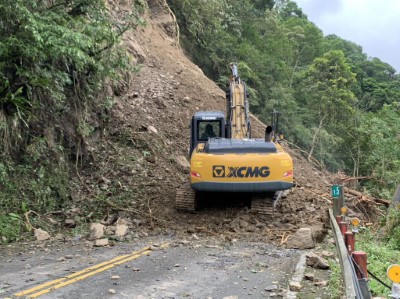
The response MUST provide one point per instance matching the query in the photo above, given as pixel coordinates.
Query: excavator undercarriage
(264, 203)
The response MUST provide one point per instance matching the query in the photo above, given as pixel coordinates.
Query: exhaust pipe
(268, 134)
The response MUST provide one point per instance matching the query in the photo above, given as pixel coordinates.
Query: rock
(110, 220)
(41, 235)
(327, 254)
(182, 161)
(114, 277)
(96, 231)
(243, 223)
(121, 228)
(111, 291)
(322, 283)
(295, 286)
(59, 236)
(69, 256)
(231, 297)
(302, 239)
(52, 221)
(316, 261)
(309, 276)
(70, 223)
(152, 129)
(271, 288)
(101, 242)
(318, 231)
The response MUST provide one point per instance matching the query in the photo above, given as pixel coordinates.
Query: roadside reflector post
(343, 227)
(360, 264)
(338, 198)
(393, 273)
(349, 241)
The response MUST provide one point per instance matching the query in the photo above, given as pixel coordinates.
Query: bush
(10, 227)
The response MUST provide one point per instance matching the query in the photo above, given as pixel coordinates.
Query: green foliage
(10, 227)
(380, 256)
(335, 102)
(335, 280)
(53, 61)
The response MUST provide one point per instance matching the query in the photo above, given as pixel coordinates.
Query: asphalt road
(169, 269)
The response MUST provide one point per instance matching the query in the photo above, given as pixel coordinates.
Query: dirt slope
(138, 158)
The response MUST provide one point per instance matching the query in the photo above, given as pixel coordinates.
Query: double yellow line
(83, 274)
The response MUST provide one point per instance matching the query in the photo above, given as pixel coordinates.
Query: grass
(335, 279)
(381, 253)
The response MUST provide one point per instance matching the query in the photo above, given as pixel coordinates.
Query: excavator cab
(206, 125)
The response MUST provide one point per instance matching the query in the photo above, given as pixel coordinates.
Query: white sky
(372, 24)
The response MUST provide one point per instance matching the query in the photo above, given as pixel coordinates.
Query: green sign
(336, 191)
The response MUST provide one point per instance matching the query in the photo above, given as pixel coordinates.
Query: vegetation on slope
(340, 106)
(55, 57)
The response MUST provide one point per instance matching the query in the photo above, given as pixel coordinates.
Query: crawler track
(185, 198)
(265, 204)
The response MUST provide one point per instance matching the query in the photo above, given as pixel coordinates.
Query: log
(359, 194)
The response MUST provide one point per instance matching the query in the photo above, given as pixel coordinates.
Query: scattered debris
(302, 239)
(101, 242)
(41, 235)
(96, 231)
(121, 228)
(315, 261)
(295, 286)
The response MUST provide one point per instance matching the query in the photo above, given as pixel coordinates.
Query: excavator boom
(238, 120)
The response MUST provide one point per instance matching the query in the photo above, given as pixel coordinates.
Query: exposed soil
(136, 168)
(139, 155)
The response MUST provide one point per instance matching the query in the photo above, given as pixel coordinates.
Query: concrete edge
(297, 276)
(347, 273)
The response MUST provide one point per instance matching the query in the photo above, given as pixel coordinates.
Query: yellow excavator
(225, 159)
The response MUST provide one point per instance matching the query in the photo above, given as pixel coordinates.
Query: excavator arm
(238, 120)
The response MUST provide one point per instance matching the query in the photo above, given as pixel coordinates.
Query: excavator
(225, 159)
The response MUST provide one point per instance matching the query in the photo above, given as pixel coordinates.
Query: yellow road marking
(85, 273)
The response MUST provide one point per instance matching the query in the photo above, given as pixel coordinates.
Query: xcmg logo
(219, 171)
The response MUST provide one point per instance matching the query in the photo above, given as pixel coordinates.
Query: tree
(326, 82)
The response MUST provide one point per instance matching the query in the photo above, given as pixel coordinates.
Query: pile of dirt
(141, 155)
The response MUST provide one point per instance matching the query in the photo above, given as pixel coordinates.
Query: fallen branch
(364, 196)
(28, 223)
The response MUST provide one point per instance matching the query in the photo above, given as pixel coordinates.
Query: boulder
(41, 235)
(316, 261)
(302, 239)
(121, 228)
(295, 286)
(96, 231)
(182, 161)
(101, 242)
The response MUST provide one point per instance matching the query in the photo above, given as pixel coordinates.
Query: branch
(362, 195)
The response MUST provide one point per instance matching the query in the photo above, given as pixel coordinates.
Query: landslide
(141, 155)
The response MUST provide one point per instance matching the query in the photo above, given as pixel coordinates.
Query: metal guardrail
(354, 288)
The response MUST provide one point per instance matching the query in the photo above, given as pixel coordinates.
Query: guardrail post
(349, 240)
(360, 261)
(343, 227)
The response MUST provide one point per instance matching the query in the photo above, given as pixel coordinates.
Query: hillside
(141, 155)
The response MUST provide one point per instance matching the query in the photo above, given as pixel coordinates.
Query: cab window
(208, 129)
